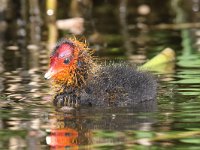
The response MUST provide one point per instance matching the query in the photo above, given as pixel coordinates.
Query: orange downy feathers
(76, 72)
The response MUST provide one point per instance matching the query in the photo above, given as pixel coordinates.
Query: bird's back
(118, 85)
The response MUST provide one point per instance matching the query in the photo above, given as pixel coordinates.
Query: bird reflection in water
(62, 136)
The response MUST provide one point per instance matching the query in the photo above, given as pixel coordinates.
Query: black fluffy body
(113, 85)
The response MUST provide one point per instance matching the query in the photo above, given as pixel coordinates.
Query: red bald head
(70, 63)
(60, 59)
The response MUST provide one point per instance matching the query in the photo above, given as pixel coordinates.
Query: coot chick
(78, 79)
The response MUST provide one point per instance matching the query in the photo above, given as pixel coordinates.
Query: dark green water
(28, 120)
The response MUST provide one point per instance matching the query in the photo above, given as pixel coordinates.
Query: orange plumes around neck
(71, 63)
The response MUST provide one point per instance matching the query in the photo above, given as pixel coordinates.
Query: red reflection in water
(60, 139)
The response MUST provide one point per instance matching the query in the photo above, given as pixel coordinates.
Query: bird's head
(70, 63)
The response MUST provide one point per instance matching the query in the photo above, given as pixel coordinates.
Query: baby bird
(79, 80)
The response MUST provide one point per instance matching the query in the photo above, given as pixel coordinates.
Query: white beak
(49, 74)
